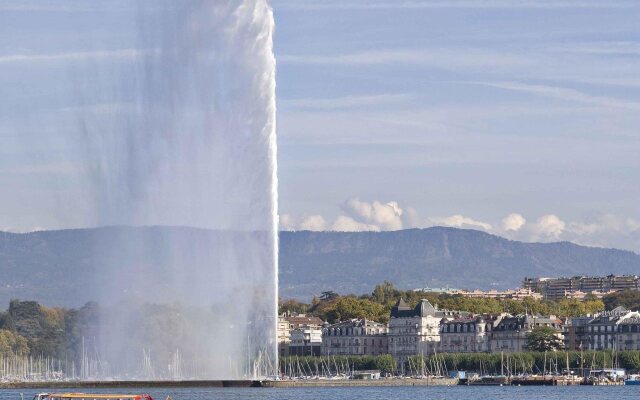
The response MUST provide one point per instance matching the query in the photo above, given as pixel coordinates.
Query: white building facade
(415, 331)
(354, 337)
(467, 335)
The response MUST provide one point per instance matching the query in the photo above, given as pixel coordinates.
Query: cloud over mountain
(356, 215)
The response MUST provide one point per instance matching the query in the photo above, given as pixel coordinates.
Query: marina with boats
(513, 370)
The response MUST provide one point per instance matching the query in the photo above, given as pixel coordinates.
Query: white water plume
(188, 157)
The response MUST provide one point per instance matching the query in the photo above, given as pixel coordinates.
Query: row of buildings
(513, 294)
(580, 286)
(576, 287)
(425, 329)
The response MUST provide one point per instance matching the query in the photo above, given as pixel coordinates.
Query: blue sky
(521, 118)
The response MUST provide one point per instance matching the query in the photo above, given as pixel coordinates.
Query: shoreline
(230, 383)
(310, 383)
(362, 382)
(129, 384)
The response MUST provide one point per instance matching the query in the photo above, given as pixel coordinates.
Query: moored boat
(606, 377)
(90, 396)
(490, 380)
(632, 380)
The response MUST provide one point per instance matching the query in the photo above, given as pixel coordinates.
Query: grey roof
(610, 317)
(463, 319)
(519, 321)
(402, 309)
(402, 304)
(422, 309)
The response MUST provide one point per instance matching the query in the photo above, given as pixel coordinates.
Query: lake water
(368, 393)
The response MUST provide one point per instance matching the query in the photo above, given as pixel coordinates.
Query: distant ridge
(56, 267)
(352, 262)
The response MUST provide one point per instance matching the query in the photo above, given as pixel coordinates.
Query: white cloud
(562, 93)
(72, 56)
(468, 4)
(445, 58)
(410, 218)
(386, 216)
(287, 222)
(606, 223)
(513, 222)
(67, 6)
(548, 227)
(460, 221)
(345, 102)
(313, 223)
(605, 230)
(633, 224)
(348, 224)
(618, 48)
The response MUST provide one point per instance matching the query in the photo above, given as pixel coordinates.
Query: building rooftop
(522, 320)
(423, 309)
(357, 323)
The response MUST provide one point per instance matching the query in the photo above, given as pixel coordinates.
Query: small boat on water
(632, 380)
(490, 380)
(90, 396)
(606, 377)
(547, 380)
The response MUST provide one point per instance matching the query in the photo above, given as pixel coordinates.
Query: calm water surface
(372, 393)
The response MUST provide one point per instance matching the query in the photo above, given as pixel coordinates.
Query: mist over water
(185, 154)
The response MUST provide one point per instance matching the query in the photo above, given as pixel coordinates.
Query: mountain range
(55, 267)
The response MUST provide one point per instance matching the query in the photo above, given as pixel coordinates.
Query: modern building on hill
(468, 334)
(579, 286)
(511, 333)
(442, 290)
(288, 322)
(603, 329)
(354, 337)
(416, 330)
(514, 294)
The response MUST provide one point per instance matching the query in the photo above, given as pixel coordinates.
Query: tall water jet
(178, 164)
(198, 149)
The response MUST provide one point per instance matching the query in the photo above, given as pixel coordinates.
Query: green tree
(544, 338)
(629, 299)
(12, 344)
(350, 307)
(385, 364)
(292, 306)
(328, 295)
(384, 293)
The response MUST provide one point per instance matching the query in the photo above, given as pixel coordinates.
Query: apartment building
(468, 334)
(510, 334)
(602, 330)
(355, 337)
(414, 331)
(579, 286)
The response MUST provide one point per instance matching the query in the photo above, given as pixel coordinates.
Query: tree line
(29, 328)
(333, 307)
